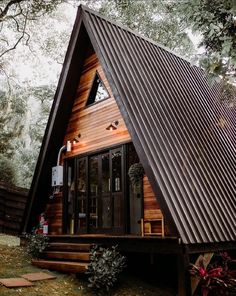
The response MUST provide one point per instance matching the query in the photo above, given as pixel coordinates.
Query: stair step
(69, 247)
(63, 266)
(84, 256)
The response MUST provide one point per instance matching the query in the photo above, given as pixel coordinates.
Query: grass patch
(15, 262)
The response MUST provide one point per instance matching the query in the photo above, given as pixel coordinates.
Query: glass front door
(97, 206)
(106, 206)
(105, 192)
(81, 208)
(117, 187)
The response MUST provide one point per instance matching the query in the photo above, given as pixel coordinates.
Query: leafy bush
(104, 268)
(36, 244)
(218, 278)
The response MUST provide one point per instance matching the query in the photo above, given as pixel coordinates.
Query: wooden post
(184, 285)
(142, 227)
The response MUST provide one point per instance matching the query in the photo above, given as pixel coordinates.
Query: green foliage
(136, 173)
(41, 7)
(36, 244)
(104, 268)
(6, 133)
(216, 22)
(152, 19)
(25, 161)
(13, 107)
(22, 128)
(7, 170)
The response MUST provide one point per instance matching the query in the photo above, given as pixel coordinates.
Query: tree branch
(17, 24)
(8, 79)
(4, 40)
(21, 37)
(5, 10)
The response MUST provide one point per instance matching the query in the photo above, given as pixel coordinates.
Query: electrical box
(57, 175)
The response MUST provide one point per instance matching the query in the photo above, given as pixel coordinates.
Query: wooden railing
(12, 205)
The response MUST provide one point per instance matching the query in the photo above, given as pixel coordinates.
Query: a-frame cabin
(123, 99)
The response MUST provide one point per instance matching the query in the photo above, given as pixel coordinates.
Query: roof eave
(50, 128)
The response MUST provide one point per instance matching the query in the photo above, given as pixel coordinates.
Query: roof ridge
(137, 34)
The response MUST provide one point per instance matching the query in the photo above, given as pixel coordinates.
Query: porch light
(113, 126)
(76, 139)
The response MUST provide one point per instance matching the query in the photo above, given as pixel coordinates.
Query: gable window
(98, 91)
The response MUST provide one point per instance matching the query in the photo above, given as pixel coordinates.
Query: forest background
(34, 35)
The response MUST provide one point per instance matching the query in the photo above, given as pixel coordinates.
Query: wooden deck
(126, 243)
(71, 253)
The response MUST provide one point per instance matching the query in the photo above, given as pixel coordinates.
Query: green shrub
(36, 244)
(7, 170)
(104, 268)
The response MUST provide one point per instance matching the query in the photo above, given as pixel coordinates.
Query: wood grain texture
(91, 121)
(75, 256)
(12, 205)
(62, 266)
(53, 214)
(151, 207)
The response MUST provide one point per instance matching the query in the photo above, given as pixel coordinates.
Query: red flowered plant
(218, 278)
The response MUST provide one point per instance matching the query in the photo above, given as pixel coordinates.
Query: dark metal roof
(175, 122)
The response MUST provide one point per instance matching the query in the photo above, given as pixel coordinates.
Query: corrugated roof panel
(173, 118)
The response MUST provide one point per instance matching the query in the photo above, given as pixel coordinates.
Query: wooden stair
(63, 266)
(65, 257)
(75, 256)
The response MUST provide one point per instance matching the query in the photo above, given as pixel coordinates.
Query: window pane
(116, 171)
(117, 210)
(81, 193)
(98, 91)
(105, 173)
(101, 92)
(106, 215)
(106, 212)
(70, 197)
(93, 200)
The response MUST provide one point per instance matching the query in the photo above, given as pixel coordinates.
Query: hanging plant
(136, 173)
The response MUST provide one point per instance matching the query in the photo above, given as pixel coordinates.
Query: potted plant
(136, 173)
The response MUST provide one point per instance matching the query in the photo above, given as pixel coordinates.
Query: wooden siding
(91, 121)
(53, 214)
(12, 205)
(151, 207)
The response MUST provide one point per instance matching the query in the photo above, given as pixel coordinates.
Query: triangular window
(98, 91)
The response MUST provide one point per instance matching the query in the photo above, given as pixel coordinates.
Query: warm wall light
(112, 126)
(76, 139)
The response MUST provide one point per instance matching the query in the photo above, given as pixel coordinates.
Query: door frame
(125, 197)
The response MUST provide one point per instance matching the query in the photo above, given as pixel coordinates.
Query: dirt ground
(15, 262)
